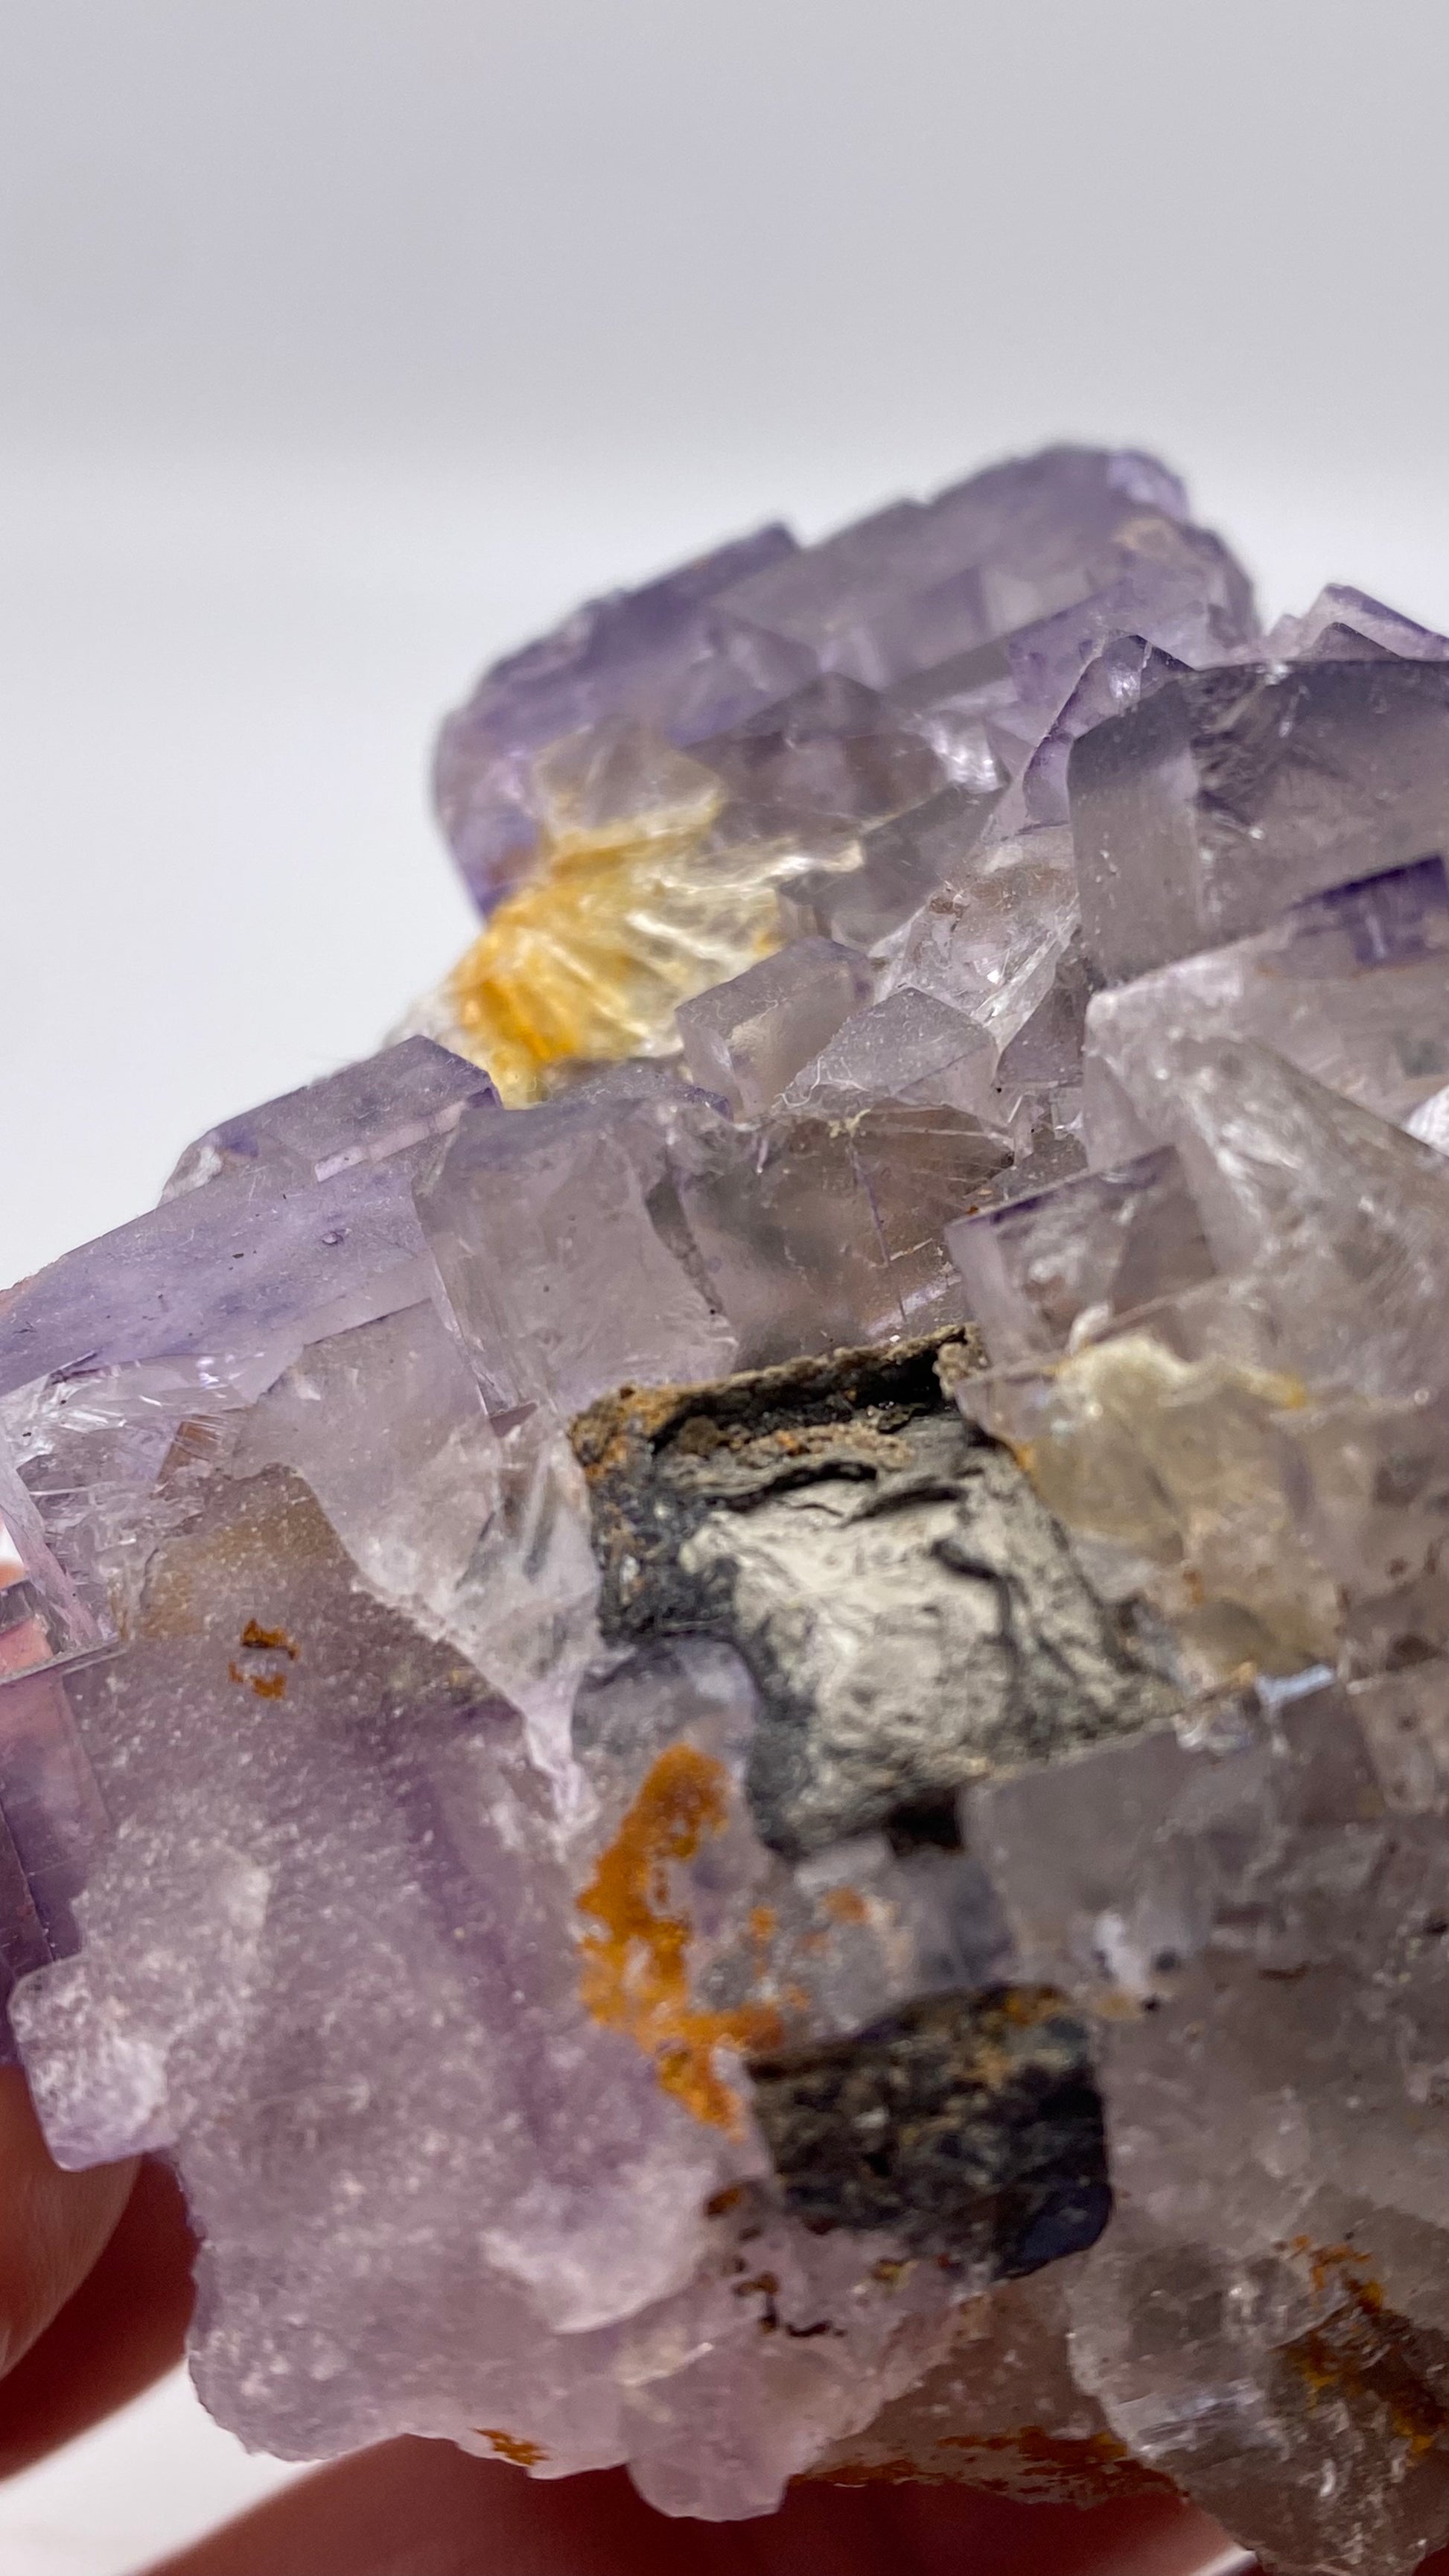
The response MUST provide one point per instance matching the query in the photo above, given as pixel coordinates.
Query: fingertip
(118, 2332)
(53, 2224)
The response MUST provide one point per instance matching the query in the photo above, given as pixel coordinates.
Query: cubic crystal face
(1228, 793)
(746, 1039)
(1351, 986)
(724, 1690)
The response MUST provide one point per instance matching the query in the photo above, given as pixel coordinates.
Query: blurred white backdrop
(347, 341)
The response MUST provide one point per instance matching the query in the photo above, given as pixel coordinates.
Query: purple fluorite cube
(746, 1039)
(703, 653)
(366, 1113)
(1352, 985)
(669, 1741)
(1228, 794)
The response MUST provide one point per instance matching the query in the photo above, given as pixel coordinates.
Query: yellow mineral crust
(636, 1963)
(1186, 1462)
(641, 897)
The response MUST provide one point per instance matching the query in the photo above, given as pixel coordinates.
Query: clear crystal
(746, 1039)
(1079, 1256)
(909, 1047)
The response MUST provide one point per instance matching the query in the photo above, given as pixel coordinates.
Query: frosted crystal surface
(724, 1690)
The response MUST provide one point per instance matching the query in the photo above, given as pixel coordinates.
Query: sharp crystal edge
(723, 1690)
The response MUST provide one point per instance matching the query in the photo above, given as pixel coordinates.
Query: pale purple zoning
(1034, 1266)
(239, 1269)
(1352, 986)
(1227, 793)
(1044, 558)
(1345, 625)
(365, 1114)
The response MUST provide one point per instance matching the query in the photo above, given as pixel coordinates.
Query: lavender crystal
(724, 1691)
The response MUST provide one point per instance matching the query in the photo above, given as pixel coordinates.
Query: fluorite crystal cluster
(725, 1686)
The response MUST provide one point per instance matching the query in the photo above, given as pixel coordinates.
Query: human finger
(118, 2331)
(53, 2225)
(415, 2508)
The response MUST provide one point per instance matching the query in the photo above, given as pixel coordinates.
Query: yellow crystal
(640, 898)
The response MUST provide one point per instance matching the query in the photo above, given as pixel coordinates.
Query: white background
(343, 342)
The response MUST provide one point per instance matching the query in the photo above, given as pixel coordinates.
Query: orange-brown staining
(870, 2473)
(1028, 2464)
(265, 1685)
(1323, 2261)
(511, 2446)
(1026, 2006)
(765, 2287)
(196, 1444)
(636, 1965)
(844, 1905)
(1038, 2466)
(272, 1537)
(1104, 2449)
(1364, 2354)
(1358, 2355)
(272, 1641)
(265, 1680)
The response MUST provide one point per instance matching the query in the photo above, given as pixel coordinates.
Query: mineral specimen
(724, 1691)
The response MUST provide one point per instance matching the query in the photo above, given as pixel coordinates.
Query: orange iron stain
(1362, 2353)
(274, 1641)
(510, 2446)
(266, 1685)
(635, 1966)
